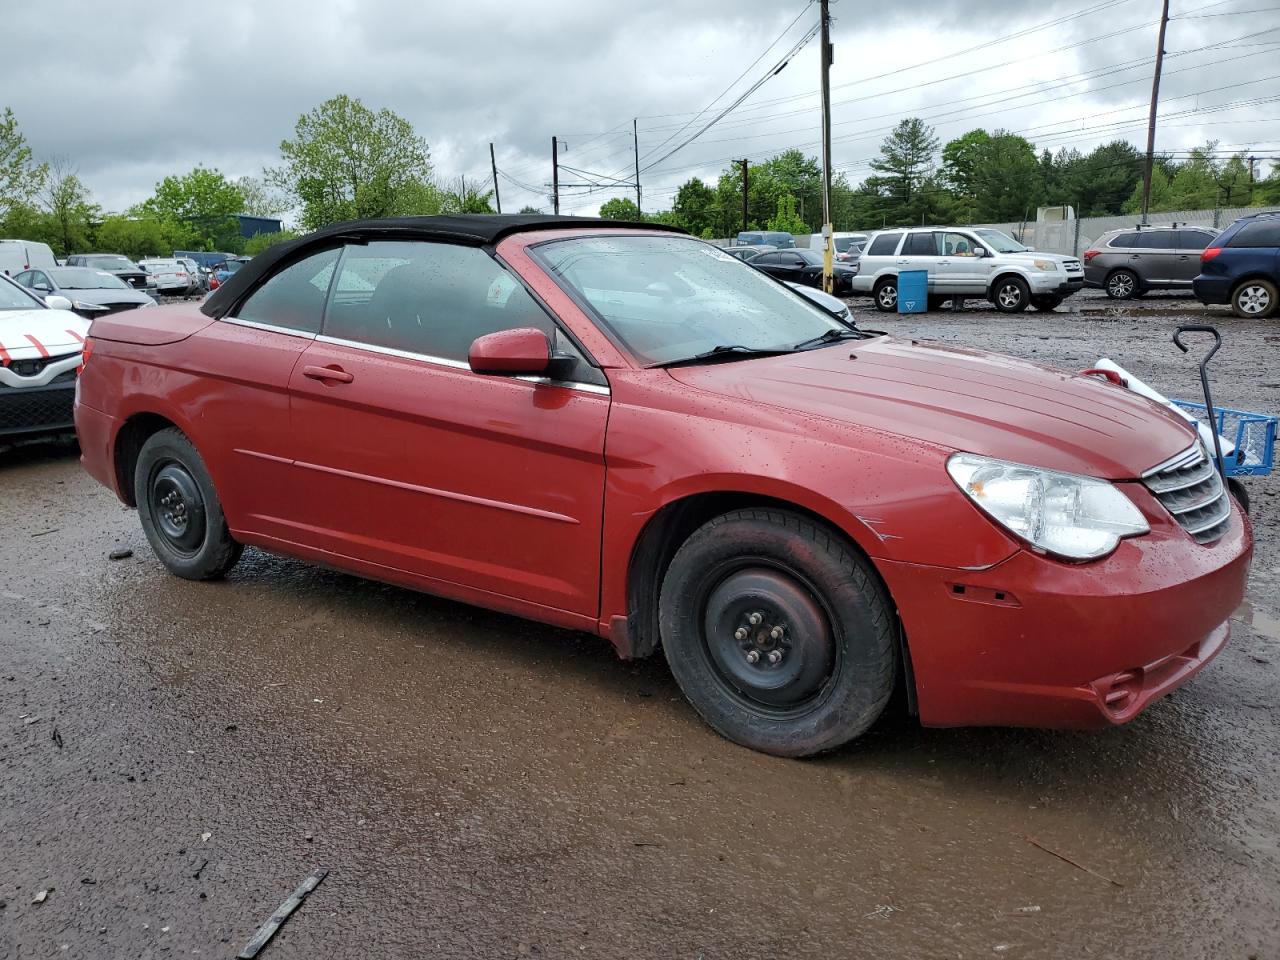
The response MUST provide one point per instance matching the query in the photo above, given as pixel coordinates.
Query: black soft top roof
(475, 229)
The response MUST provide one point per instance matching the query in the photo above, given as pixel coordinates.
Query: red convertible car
(621, 429)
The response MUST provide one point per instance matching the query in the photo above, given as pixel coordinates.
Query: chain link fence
(1073, 237)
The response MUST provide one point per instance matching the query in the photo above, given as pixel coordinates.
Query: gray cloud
(129, 97)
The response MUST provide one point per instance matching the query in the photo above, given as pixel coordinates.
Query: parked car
(1129, 262)
(848, 246)
(40, 348)
(753, 238)
(200, 275)
(1242, 267)
(91, 293)
(820, 298)
(620, 429)
(113, 263)
(19, 255)
(966, 262)
(222, 271)
(746, 253)
(805, 266)
(172, 278)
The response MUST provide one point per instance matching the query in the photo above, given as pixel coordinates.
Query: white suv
(966, 262)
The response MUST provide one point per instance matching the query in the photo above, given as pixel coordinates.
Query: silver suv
(974, 262)
(1129, 262)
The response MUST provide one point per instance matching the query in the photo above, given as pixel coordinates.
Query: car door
(243, 362)
(770, 263)
(1153, 256)
(1190, 244)
(920, 252)
(407, 460)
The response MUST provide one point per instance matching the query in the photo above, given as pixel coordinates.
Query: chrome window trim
(457, 364)
(270, 328)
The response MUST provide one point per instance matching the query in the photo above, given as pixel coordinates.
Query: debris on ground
(204, 837)
(57, 738)
(120, 553)
(40, 897)
(1065, 859)
(283, 912)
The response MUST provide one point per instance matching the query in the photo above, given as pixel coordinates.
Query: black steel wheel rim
(768, 637)
(177, 507)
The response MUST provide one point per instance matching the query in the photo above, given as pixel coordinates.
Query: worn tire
(1255, 299)
(855, 642)
(885, 295)
(1010, 294)
(1122, 285)
(1046, 304)
(179, 508)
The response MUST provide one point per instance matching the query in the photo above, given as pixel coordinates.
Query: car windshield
(83, 278)
(231, 266)
(13, 297)
(844, 243)
(674, 298)
(1000, 242)
(812, 257)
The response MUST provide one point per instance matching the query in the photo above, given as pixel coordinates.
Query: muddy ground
(176, 757)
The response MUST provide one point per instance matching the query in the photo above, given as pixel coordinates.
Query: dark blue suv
(1242, 267)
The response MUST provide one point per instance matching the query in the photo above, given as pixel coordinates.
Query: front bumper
(1053, 284)
(25, 411)
(1036, 642)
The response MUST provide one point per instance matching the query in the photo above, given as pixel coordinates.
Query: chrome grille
(1193, 493)
(1072, 266)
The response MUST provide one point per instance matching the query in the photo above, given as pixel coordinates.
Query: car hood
(30, 334)
(961, 400)
(107, 295)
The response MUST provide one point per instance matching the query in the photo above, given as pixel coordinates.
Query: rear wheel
(1254, 299)
(179, 509)
(1011, 294)
(1122, 285)
(1046, 304)
(779, 634)
(886, 295)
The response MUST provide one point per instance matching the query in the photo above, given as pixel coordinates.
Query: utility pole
(555, 176)
(828, 242)
(497, 198)
(1151, 119)
(635, 139)
(744, 193)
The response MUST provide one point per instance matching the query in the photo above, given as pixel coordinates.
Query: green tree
(905, 162)
(202, 204)
(69, 210)
(262, 241)
(466, 198)
(261, 199)
(1099, 184)
(20, 177)
(695, 207)
(619, 208)
(139, 237)
(786, 219)
(346, 161)
(528, 210)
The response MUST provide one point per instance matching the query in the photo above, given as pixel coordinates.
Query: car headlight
(1045, 266)
(91, 307)
(147, 303)
(1079, 518)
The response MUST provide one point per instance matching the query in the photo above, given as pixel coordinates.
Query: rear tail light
(1090, 254)
(1209, 254)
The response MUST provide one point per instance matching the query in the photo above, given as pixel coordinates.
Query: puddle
(1260, 620)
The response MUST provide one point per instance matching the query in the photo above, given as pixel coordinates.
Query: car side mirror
(979, 251)
(525, 351)
(56, 302)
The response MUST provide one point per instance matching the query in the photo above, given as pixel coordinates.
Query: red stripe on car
(76, 335)
(37, 344)
(4, 356)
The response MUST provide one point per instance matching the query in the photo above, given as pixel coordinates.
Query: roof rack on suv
(1261, 213)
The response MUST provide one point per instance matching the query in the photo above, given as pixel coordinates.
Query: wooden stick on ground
(277, 919)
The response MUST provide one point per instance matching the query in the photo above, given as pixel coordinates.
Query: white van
(19, 255)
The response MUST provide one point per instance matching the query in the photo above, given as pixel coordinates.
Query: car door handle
(1135, 256)
(903, 262)
(333, 373)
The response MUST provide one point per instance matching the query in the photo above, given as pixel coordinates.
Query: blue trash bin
(913, 291)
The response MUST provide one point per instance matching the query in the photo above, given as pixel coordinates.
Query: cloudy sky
(131, 92)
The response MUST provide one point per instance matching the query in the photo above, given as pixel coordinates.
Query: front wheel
(1254, 299)
(1011, 294)
(886, 295)
(179, 509)
(778, 632)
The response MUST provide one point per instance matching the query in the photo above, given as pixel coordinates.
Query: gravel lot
(177, 757)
